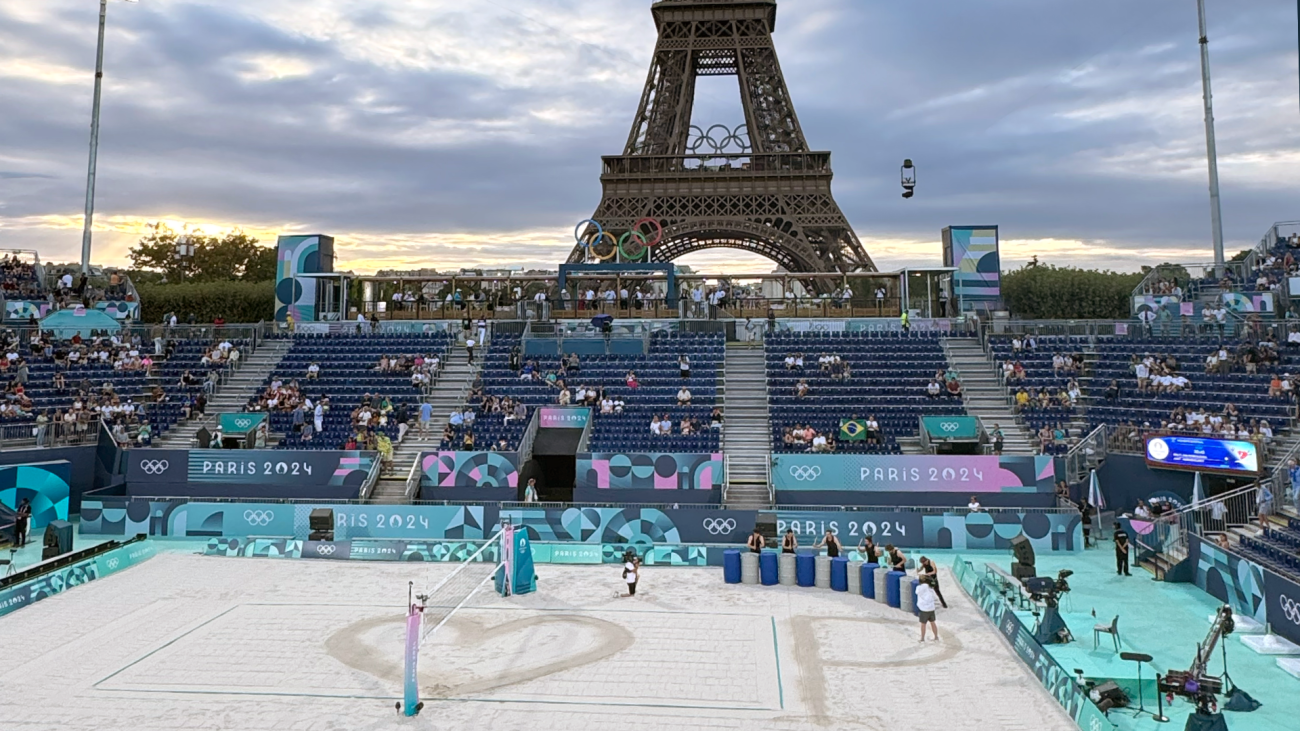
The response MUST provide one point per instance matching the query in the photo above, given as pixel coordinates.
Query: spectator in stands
(1143, 373)
(820, 443)
(998, 440)
(801, 388)
(789, 361)
(684, 365)
(683, 396)
(1264, 504)
(934, 390)
(666, 425)
(954, 389)
(656, 426)
(564, 397)
(715, 418)
(631, 380)
(873, 429)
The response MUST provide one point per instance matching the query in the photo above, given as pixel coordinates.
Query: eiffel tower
(756, 187)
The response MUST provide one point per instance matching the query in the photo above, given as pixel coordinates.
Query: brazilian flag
(853, 430)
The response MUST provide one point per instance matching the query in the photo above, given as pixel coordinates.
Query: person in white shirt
(631, 574)
(1143, 373)
(819, 443)
(313, 371)
(925, 604)
(683, 396)
(655, 426)
(974, 505)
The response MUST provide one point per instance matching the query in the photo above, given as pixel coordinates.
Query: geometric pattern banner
(913, 473)
(180, 518)
(296, 255)
(655, 471)
(1047, 532)
(83, 572)
(46, 484)
(469, 469)
(1232, 580)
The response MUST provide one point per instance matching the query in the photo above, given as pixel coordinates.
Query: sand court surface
(187, 641)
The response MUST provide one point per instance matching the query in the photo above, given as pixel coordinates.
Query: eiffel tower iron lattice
(757, 187)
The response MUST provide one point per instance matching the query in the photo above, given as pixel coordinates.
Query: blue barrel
(839, 574)
(805, 569)
(915, 583)
(767, 568)
(731, 566)
(869, 579)
(893, 589)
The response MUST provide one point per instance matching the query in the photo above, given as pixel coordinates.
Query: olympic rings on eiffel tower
(595, 245)
(729, 141)
(658, 228)
(638, 245)
(580, 236)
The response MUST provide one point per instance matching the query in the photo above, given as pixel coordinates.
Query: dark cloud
(1054, 119)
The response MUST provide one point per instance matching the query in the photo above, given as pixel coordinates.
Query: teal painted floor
(1165, 621)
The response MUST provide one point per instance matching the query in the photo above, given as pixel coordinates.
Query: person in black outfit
(925, 568)
(832, 543)
(897, 561)
(1121, 551)
(23, 518)
(869, 550)
(1085, 512)
(789, 542)
(756, 542)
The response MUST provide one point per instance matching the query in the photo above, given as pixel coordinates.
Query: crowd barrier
(1048, 531)
(1055, 678)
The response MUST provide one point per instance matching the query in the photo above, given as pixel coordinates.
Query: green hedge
(1066, 293)
(235, 301)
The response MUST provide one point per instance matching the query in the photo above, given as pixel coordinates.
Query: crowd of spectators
(18, 278)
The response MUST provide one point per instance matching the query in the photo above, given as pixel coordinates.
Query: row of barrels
(808, 569)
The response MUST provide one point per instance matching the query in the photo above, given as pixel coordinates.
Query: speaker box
(321, 535)
(1023, 550)
(1021, 572)
(58, 537)
(321, 519)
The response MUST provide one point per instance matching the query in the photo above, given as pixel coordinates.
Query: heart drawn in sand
(469, 656)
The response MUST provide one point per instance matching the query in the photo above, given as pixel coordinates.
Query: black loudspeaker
(321, 519)
(1021, 571)
(1023, 551)
(766, 525)
(58, 539)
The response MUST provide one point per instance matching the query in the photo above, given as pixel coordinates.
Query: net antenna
(430, 609)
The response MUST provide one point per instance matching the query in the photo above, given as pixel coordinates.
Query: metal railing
(1170, 534)
(413, 480)
(372, 478)
(1087, 455)
(53, 434)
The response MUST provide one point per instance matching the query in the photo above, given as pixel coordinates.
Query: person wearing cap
(925, 603)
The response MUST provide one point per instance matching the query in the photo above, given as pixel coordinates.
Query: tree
(231, 256)
(1042, 291)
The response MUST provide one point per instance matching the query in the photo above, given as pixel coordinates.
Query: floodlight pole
(1216, 214)
(94, 142)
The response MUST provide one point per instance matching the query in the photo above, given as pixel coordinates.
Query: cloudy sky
(458, 132)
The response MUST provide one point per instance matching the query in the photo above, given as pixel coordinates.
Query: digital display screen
(1199, 454)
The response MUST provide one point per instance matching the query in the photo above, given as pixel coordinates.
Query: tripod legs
(1141, 696)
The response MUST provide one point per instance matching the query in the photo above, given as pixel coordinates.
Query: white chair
(1111, 629)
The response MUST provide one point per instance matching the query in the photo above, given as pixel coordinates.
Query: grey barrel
(749, 568)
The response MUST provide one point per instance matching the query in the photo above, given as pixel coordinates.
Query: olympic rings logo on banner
(719, 526)
(325, 549)
(259, 517)
(1290, 608)
(804, 473)
(154, 466)
(112, 564)
(949, 426)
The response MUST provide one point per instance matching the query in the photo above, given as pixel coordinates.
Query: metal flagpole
(94, 142)
(1216, 215)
